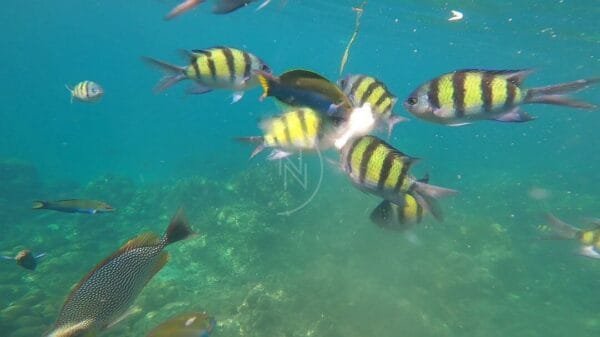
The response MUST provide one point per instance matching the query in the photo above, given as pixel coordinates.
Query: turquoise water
(324, 270)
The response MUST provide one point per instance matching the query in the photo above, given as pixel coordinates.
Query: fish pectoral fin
(278, 154)
(130, 312)
(515, 115)
(441, 112)
(589, 251)
(198, 89)
(237, 96)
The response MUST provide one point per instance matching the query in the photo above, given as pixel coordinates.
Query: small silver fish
(101, 299)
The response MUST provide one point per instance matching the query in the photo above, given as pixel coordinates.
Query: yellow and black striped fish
(391, 216)
(362, 89)
(376, 167)
(465, 96)
(214, 68)
(295, 130)
(105, 294)
(588, 238)
(86, 91)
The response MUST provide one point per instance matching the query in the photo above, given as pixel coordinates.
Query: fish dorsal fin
(142, 240)
(515, 76)
(292, 75)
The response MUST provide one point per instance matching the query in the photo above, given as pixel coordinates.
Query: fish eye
(265, 68)
(411, 101)
(343, 83)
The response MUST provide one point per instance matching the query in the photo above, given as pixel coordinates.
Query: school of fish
(316, 112)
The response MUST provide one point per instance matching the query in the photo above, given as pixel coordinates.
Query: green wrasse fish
(376, 167)
(103, 296)
(469, 95)
(391, 216)
(74, 206)
(191, 324)
(295, 130)
(589, 239)
(362, 89)
(86, 91)
(26, 259)
(304, 88)
(214, 68)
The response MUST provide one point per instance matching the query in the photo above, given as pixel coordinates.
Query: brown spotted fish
(190, 324)
(103, 297)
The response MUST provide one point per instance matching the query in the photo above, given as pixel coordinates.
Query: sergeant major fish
(103, 296)
(362, 89)
(86, 91)
(469, 95)
(305, 88)
(74, 206)
(391, 216)
(588, 238)
(376, 167)
(214, 68)
(296, 129)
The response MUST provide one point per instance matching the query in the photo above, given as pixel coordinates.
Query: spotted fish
(103, 296)
(469, 95)
(376, 167)
(214, 68)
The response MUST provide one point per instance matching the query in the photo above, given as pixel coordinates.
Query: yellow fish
(469, 95)
(295, 130)
(214, 68)
(86, 91)
(589, 239)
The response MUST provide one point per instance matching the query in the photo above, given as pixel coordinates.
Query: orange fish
(182, 8)
(191, 324)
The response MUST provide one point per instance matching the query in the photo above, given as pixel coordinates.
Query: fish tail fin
(561, 228)
(427, 195)
(258, 140)
(70, 91)
(557, 94)
(179, 228)
(266, 81)
(38, 204)
(176, 73)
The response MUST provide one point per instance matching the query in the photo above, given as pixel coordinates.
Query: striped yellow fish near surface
(214, 68)
(362, 89)
(589, 239)
(301, 129)
(468, 95)
(86, 91)
(376, 167)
